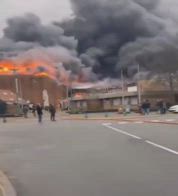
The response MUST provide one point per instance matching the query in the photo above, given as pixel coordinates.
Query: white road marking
(121, 131)
(161, 147)
(170, 120)
(139, 122)
(123, 123)
(155, 121)
(108, 125)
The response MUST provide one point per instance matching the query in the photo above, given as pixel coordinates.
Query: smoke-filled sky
(48, 10)
(93, 39)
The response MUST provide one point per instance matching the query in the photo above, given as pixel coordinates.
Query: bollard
(106, 115)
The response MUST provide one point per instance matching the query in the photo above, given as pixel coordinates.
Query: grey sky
(47, 10)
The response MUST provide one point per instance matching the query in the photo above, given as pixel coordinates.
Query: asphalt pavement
(84, 158)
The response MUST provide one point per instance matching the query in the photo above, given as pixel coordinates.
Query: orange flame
(80, 95)
(36, 68)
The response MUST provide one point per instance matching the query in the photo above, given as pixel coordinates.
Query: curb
(114, 119)
(5, 186)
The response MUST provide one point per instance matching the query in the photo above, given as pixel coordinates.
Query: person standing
(158, 103)
(148, 107)
(164, 107)
(143, 107)
(161, 107)
(34, 110)
(3, 110)
(52, 111)
(39, 110)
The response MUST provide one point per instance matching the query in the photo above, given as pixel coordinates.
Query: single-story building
(111, 99)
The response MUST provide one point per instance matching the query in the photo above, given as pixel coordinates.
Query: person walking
(3, 110)
(52, 111)
(39, 110)
(25, 111)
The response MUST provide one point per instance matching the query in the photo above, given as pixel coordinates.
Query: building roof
(104, 96)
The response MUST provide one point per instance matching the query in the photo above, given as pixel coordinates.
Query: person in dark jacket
(146, 107)
(52, 111)
(25, 111)
(39, 110)
(143, 107)
(161, 107)
(3, 110)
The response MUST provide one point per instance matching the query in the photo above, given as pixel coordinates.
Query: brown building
(30, 88)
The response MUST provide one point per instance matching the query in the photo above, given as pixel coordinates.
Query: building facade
(91, 100)
(31, 88)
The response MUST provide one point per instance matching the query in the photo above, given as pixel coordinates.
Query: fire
(36, 68)
(80, 95)
(42, 74)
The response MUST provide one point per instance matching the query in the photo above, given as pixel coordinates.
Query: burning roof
(36, 68)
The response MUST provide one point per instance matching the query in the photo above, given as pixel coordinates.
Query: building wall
(112, 104)
(100, 105)
(31, 88)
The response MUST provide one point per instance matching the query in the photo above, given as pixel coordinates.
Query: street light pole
(17, 89)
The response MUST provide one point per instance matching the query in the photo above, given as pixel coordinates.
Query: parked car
(174, 109)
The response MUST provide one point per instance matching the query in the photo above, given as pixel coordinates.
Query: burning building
(29, 81)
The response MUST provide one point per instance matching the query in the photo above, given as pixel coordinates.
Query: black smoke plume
(26, 39)
(122, 33)
(103, 37)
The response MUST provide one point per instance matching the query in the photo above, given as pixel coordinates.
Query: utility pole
(16, 89)
(171, 86)
(138, 85)
(67, 96)
(16, 84)
(122, 80)
(171, 82)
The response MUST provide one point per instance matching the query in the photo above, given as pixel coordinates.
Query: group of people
(37, 110)
(161, 105)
